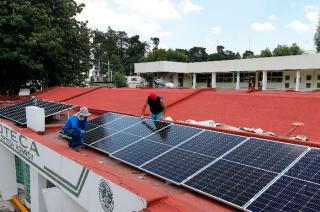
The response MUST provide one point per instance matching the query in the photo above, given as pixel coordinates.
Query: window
(202, 77)
(318, 85)
(308, 85)
(224, 77)
(244, 77)
(287, 85)
(308, 77)
(274, 76)
(287, 77)
(318, 77)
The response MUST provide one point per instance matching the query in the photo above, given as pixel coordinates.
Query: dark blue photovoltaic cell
(269, 155)
(123, 123)
(288, 194)
(115, 142)
(17, 112)
(98, 134)
(231, 182)
(177, 164)
(146, 127)
(140, 152)
(174, 135)
(103, 119)
(308, 167)
(212, 143)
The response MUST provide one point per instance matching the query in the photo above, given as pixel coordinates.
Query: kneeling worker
(157, 106)
(76, 127)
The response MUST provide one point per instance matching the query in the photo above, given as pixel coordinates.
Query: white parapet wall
(87, 189)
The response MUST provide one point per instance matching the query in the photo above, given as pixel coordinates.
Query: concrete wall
(301, 62)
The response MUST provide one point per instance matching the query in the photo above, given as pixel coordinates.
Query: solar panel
(97, 134)
(174, 135)
(308, 167)
(231, 182)
(115, 142)
(140, 152)
(289, 194)
(17, 112)
(265, 154)
(123, 123)
(177, 164)
(103, 119)
(212, 143)
(146, 127)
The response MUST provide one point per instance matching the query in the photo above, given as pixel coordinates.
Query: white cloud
(312, 15)
(216, 30)
(187, 6)
(262, 27)
(300, 26)
(144, 17)
(312, 12)
(272, 17)
(158, 9)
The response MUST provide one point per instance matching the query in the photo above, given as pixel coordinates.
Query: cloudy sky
(234, 24)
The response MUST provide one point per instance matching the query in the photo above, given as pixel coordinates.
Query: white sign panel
(91, 191)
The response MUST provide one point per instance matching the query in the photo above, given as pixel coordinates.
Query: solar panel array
(247, 173)
(17, 112)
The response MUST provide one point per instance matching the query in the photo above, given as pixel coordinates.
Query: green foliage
(120, 80)
(197, 54)
(317, 37)
(223, 55)
(41, 41)
(128, 50)
(266, 53)
(248, 54)
(165, 55)
(285, 50)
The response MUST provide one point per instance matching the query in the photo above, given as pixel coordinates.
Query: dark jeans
(77, 137)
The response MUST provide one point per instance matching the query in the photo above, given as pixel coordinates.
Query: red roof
(273, 111)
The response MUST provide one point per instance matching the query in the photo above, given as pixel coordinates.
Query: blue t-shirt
(76, 124)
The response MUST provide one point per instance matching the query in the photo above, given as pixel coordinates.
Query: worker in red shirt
(156, 105)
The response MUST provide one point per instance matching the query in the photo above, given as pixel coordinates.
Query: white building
(299, 72)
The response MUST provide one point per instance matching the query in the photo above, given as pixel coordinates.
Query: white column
(194, 80)
(298, 80)
(214, 80)
(37, 185)
(8, 183)
(256, 86)
(264, 80)
(238, 81)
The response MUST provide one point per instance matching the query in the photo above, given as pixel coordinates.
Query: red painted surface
(125, 100)
(273, 111)
(64, 93)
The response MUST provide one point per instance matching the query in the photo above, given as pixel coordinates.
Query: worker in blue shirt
(76, 127)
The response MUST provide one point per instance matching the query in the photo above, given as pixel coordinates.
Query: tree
(317, 37)
(166, 55)
(155, 42)
(285, 50)
(197, 54)
(223, 55)
(265, 53)
(248, 54)
(41, 41)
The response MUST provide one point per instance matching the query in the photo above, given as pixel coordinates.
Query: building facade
(299, 72)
